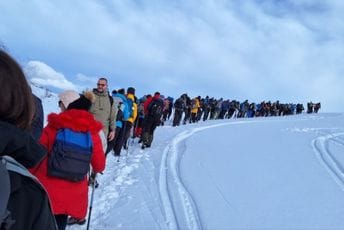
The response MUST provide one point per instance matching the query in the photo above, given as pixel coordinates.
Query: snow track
(173, 194)
(321, 148)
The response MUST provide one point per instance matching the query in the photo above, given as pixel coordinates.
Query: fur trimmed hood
(77, 120)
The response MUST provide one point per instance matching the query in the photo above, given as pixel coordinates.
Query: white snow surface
(257, 173)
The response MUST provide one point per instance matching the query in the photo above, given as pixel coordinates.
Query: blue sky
(254, 49)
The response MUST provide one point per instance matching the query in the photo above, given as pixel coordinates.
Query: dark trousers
(61, 221)
(148, 130)
(111, 144)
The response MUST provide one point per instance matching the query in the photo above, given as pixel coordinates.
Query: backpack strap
(111, 99)
(14, 166)
(5, 214)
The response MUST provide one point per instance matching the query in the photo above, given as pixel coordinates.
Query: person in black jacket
(28, 203)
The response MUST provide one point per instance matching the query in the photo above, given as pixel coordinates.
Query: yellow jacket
(196, 106)
(134, 114)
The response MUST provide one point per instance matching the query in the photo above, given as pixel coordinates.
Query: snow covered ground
(260, 173)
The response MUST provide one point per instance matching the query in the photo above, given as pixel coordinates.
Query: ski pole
(91, 203)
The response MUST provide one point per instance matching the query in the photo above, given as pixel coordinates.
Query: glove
(92, 180)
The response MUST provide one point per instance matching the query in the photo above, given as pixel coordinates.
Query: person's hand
(111, 135)
(92, 178)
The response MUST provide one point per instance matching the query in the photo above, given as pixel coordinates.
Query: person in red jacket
(70, 198)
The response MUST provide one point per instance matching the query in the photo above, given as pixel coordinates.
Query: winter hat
(84, 102)
(131, 90)
(68, 97)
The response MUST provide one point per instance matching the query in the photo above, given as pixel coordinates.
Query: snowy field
(261, 173)
(257, 173)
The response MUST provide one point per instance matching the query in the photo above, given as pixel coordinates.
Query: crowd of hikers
(46, 172)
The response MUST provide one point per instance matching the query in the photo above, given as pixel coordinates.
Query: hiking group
(46, 172)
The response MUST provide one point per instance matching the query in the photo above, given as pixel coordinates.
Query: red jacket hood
(77, 120)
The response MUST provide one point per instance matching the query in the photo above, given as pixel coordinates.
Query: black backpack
(7, 164)
(155, 108)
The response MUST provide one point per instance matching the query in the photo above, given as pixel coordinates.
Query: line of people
(196, 109)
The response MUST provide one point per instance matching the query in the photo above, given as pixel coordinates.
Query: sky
(258, 50)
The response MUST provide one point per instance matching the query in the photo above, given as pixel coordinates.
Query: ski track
(169, 168)
(172, 191)
(321, 148)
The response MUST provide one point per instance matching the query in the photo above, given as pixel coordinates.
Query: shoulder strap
(111, 99)
(4, 191)
(9, 164)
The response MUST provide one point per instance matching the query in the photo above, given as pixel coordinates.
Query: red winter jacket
(68, 197)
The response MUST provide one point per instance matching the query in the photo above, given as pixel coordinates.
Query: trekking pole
(91, 203)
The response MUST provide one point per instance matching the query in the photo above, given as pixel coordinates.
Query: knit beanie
(84, 102)
(68, 97)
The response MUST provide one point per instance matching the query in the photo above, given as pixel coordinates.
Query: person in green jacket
(104, 109)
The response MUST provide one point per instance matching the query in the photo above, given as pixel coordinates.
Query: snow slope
(260, 173)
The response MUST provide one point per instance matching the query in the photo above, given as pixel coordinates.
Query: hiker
(195, 105)
(152, 119)
(122, 115)
(104, 110)
(128, 124)
(179, 106)
(140, 116)
(69, 197)
(28, 203)
(317, 106)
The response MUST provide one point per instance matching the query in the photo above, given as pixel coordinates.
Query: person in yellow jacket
(128, 124)
(195, 105)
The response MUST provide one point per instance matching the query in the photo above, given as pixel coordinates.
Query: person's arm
(37, 121)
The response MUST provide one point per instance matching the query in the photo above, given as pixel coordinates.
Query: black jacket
(29, 204)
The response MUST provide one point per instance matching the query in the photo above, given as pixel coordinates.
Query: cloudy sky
(258, 50)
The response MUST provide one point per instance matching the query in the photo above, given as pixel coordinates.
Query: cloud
(40, 73)
(256, 50)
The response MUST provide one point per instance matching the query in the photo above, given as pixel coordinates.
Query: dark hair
(131, 90)
(82, 104)
(121, 91)
(103, 79)
(17, 105)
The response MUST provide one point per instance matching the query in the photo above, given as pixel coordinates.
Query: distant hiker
(140, 116)
(123, 114)
(195, 105)
(205, 108)
(24, 203)
(317, 106)
(104, 109)
(69, 195)
(310, 107)
(179, 106)
(187, 109)
(165, 111)
(152, 119)
(170, 109)
(129, 122)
